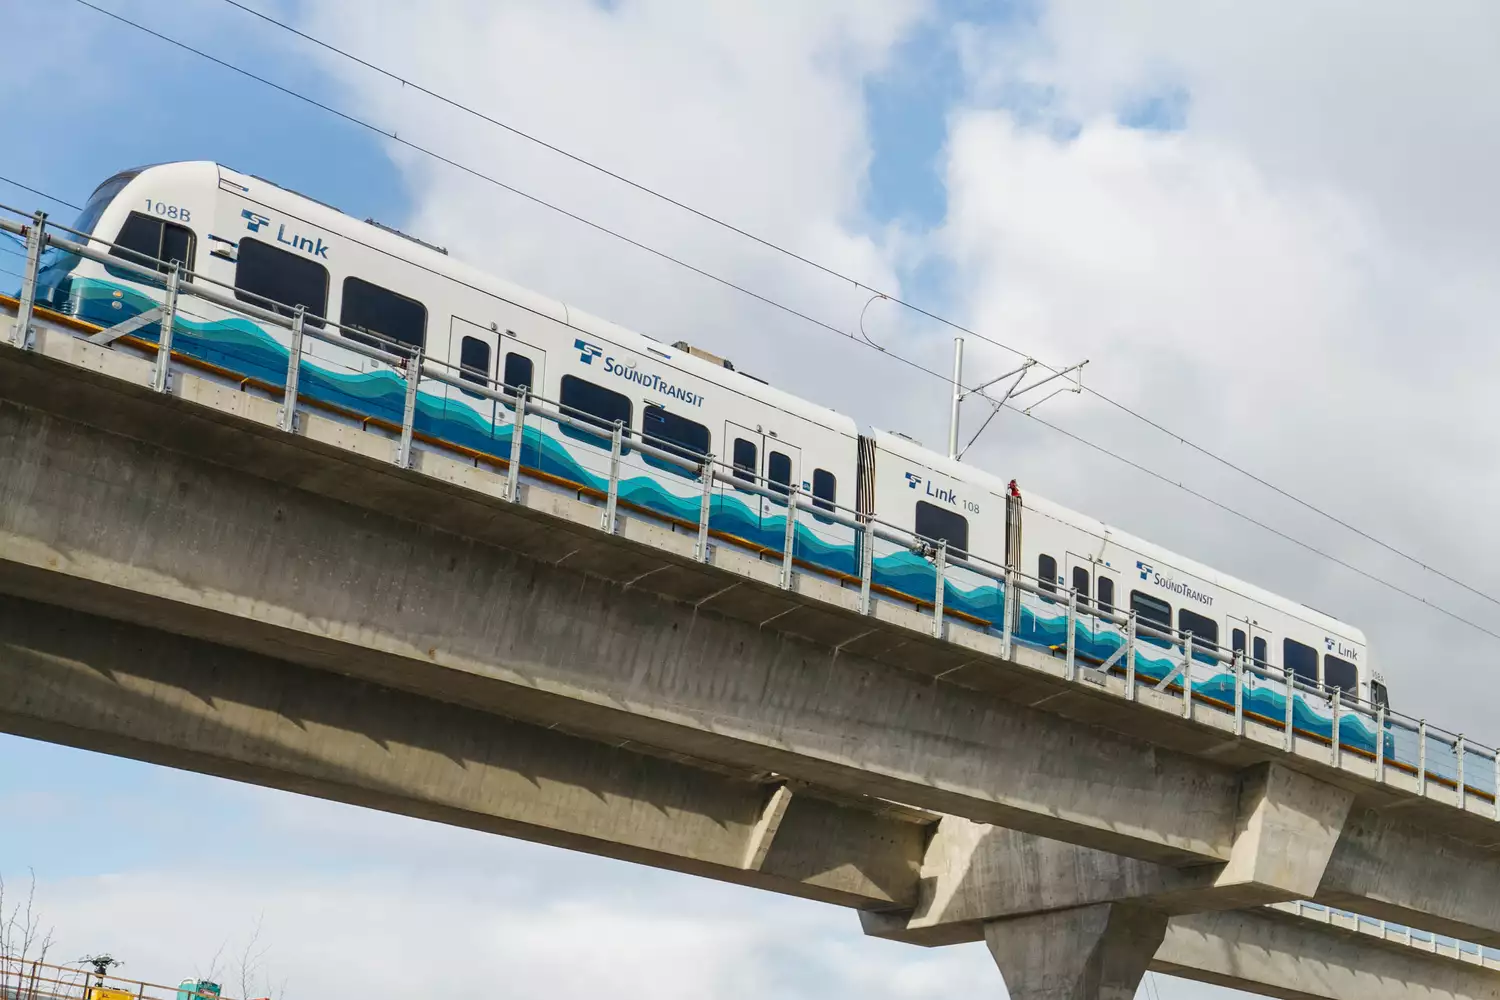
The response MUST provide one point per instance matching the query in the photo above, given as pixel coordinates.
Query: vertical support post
(160, 378)
(1422, 757)
(789, 540)
(1130, 628)
(1187, 676)
(866, 564)
(940, 588)
(1497, 786)
(705, 509)
(1291, 694)
(1380, 745)
(612, 498)
(1239, 692)
(958, 378)
(517, 436)
(409, 412)
(1337, 742)
(1070, 665)
(35, 239)
(1460, 751)
(1010, 614)
(288, 416)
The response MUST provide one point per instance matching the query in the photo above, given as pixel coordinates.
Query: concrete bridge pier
(1095, 952)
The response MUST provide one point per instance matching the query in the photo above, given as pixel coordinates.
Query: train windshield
(100, 199)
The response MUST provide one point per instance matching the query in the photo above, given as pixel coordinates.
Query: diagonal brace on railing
(1103, 669)
(111, 334)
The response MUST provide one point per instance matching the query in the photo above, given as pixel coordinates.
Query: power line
(759, 297)
(40, 194)
(835, 273)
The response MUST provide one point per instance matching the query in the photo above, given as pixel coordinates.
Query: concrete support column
(1087, 953)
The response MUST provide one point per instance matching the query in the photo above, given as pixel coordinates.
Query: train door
(1247, 637)
(761, 460)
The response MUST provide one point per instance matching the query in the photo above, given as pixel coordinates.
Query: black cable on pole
(757, 296)
(834, 273)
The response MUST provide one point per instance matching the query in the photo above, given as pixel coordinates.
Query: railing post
(612, 500)
(1239, 692)
(409, 412)
(1070, 664)
(1010, 614)
(866, 565)
(288, 416)
(1380, 745)
(1187, 675)
(1459, 752)
(1422, 757)
(1291, 694)
(35, 239)
(1130, 630)
(1337, 742)
(789, 540)
(517, 436)
(705, 509)
(940, 590)
(161, 377)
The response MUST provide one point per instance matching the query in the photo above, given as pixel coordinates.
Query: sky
(1270, 228)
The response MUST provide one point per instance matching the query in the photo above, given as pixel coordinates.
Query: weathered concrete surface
(119, 688)
(1286, 829)
(1089, 953)
(1285, 956)
(317, 558)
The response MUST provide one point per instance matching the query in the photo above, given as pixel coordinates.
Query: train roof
(899, 444)
(438, 262)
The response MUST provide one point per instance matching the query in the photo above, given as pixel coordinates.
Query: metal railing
(1436, 944)
(23, 978)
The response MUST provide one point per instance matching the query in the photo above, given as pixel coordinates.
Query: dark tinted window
(1340, 673)
(100, 199)
(1106, 593)
(1205, 630)
(1237, 640)
(1300, 660)
(940, 524)
(746, 461)
(1154, 611)
(383, 312)
(586, 401)
(153, 242)
(1046, 573)
(1081, 584)
(1258, 650)
(779, 472)
(825, 489)
(474, 360)
(518, 371)
(286, 279)
(676, 434)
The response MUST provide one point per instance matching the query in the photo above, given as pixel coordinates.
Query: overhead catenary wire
(841, 276)
(767, 300)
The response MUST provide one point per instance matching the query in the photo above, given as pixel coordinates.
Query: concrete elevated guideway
(187, 516)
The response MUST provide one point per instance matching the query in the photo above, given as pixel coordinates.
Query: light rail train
(270, 244)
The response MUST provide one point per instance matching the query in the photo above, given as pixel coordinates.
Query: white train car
(274, 246)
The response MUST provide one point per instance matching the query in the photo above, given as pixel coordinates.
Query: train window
(1153, 610)
(676, 434)
(779, 473)
(1046, 573)
(1081, 583)
(1258, 651)
(1106, 592)
(825, 489)
(746, 461)
(264, 272)
(152, 242)
(595, 404)
(383, 312)
(518, 371)
(100, 200)
(1205, 630)
(939, 524)
(1340, 673)
(1300, 660)
(474, 360)
(1237, 640)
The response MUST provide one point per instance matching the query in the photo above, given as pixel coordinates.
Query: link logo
(913, 480)
(254, 221)
(1145, 569)
(587, 352)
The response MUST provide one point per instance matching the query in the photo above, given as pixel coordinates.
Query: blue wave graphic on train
(243, 347)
